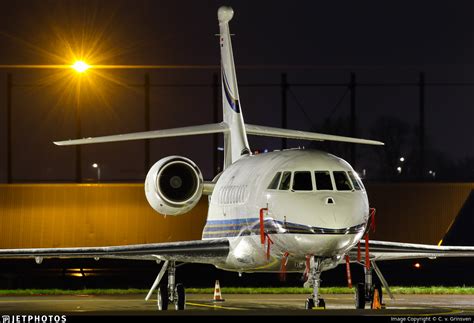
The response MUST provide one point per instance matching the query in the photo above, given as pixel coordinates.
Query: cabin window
(342, 181)
(285, 181)
(231, 195)
(302, 181)
(323, 181)
(274, 183)
(354, 180)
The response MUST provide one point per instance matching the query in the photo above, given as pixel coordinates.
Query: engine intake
(173, 185)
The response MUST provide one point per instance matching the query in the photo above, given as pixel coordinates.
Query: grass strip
(441, 290)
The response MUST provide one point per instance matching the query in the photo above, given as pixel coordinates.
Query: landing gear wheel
(181, 299)
(321, 303)
(163, 297)
(360, 296)
(309, 304)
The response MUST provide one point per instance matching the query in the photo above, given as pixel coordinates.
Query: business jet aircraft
(293, 210)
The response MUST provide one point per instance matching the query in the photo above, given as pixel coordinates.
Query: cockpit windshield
(342, 181)
(302, 181)
(322, 181)
(275, 181)
(285, 181)
(356, 181)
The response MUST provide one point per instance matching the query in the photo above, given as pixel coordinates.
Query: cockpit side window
(285, 181)
(274, 183)
(354, 180)
(302, 181)
(342, 181)
(323, 181)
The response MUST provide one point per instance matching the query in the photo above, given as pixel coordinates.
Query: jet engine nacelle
(173, 185)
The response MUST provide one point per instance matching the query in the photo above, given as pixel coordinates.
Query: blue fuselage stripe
(249, 226)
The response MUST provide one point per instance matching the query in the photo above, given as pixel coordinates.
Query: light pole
(80, 67)
(9, 128)
(96, 166)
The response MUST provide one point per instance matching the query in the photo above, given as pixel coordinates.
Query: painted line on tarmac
(215, 306)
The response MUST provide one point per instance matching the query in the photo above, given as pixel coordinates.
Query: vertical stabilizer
(235, 142)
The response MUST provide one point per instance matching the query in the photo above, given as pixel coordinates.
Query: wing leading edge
(387, 250)
(197, 251)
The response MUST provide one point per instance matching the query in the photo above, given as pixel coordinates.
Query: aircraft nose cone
(225, 14)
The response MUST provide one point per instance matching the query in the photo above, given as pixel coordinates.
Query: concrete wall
(68, 215)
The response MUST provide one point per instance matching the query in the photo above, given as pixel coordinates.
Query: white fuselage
(313, 219)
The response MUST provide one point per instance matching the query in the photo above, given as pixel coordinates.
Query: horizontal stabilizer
(296, 134)
(174, 132)
(217, 128)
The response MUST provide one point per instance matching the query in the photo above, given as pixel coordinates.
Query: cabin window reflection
(354, 180)
(274, 183)
(342, 181)
(302, 181)
(323, 181)
(285, 181)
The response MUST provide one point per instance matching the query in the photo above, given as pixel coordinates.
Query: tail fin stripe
(234, 103)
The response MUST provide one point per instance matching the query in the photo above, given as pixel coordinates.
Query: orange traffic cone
(217, 293)
(376, 301)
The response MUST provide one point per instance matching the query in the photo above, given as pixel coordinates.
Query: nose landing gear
(314, 279)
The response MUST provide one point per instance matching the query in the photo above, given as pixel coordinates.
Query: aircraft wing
(305, 135)
(387, 250)
(197, 251)
(173, 132)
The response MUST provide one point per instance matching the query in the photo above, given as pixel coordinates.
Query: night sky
(311, 41)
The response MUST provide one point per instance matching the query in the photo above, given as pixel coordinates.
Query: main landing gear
(368, 293)
(168, 291)
(314, 279)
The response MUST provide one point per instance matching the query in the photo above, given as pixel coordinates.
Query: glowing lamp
(80, 66)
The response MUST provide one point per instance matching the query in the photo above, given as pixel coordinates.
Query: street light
(80, 66)
(96, 166)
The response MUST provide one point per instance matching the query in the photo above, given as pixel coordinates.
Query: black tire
(181, 300)
(309, 304)
(379, 290)
(321, 303)
(359, 296)
(163, 299)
